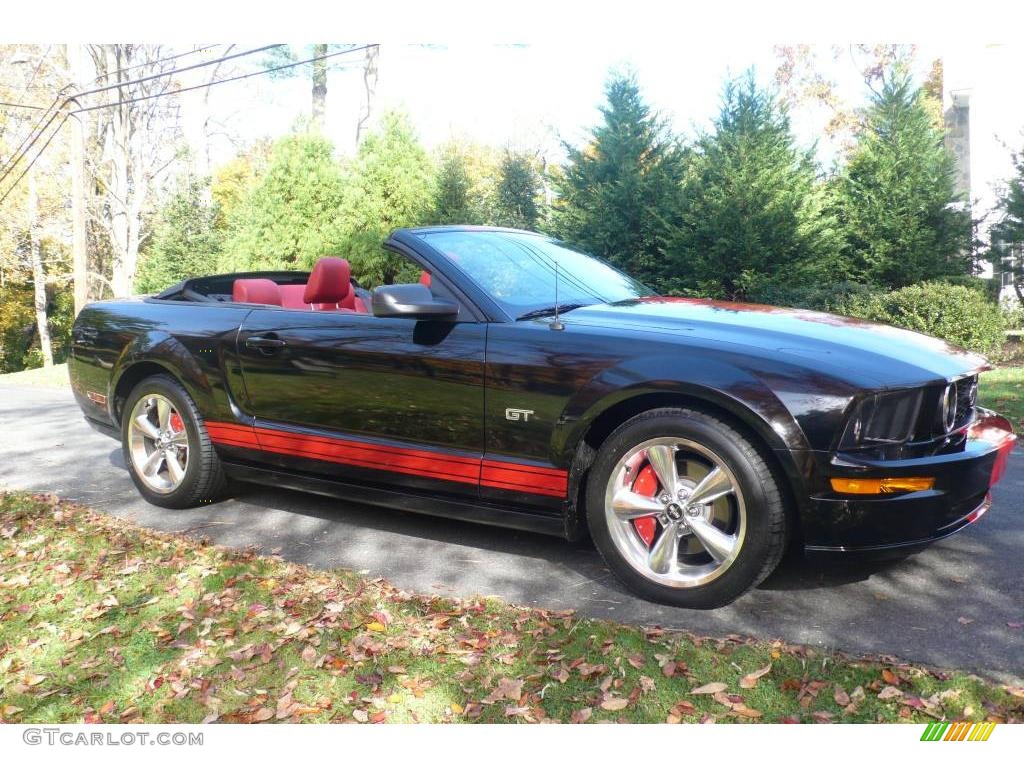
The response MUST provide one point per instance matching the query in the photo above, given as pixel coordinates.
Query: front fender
(720, 383)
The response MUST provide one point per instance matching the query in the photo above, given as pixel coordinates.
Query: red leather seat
(291, 296)
(329, 290)
(330, 285)
(358, 305)
(256, 290)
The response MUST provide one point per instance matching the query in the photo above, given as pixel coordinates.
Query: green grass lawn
(101, 621)
(1002, 390)
(55, 376)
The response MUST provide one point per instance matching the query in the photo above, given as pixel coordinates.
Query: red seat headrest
(425, 279)
(256, 290)
(329, 282)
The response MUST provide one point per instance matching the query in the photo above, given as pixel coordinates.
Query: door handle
(265, 344)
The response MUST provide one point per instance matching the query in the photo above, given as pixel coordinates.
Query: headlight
(956, 404)
(888, 417)
(947, 410)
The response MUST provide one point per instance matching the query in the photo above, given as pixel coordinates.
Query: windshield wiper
(544, 311)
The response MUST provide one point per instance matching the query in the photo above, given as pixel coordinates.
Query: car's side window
(395, 269)
(400, 269)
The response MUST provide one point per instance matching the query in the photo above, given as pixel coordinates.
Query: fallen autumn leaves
(101, 621)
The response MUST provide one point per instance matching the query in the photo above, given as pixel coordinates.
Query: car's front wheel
(684, 509)
(168, 453)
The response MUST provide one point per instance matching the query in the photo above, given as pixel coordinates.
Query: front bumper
(840, 523)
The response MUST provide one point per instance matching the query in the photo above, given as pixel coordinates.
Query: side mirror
(413, 301)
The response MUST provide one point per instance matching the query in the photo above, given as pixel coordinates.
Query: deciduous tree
(138, 138)
(318, 70)
(33, 216)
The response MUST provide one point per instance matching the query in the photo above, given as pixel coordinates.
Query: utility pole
(38, 275)
(79, 237)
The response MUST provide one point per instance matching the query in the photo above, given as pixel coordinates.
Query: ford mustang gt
(510, 379)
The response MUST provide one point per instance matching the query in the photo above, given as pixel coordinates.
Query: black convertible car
(522, 383)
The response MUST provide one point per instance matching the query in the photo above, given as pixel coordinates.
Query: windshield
(518, 270)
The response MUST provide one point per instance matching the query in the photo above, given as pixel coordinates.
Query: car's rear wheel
(166, 447)
(685, 509)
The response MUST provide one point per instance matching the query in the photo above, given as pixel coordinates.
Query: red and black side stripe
(512, 476)
(523, 477)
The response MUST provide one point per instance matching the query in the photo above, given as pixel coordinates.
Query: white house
(983, 100)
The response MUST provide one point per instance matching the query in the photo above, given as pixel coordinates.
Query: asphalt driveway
(954, 605)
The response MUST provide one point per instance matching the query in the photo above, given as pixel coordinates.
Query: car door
(395, 402)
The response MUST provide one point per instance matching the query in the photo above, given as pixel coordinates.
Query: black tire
(204, 481)
(762, 546)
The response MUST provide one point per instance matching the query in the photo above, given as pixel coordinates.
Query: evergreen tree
(1008, 233)
(897, 194)
(290, 217)
(616, 194)
(752, 210)
(517, 193)
(388, 186)
(185, 241)
(451, 200)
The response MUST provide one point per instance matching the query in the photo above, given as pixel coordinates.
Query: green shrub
(1013, 316)
(990, 286)
(19, 341)
(16, 323)
(962, 316)
(825, 297)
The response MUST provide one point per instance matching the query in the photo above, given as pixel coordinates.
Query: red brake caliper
(177, 425)
(646, 484)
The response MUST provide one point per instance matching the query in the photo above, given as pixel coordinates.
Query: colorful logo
(957, 731)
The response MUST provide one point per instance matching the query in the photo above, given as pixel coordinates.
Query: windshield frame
(493, 306)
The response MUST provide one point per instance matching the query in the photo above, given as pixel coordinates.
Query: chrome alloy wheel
(675, 512)
(158, 443)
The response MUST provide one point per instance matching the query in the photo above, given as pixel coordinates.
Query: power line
(130, 67)
(22, 106)
(37, 131)
(218, 82)
(190, 67)
(46, 110)
(34, 159)
(198, 49)
(67, 115)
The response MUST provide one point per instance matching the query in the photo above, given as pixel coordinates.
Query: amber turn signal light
(882, 485)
